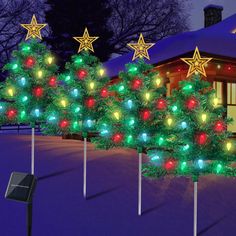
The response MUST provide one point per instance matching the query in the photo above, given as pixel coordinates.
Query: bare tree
(156, 19)
(12, 14)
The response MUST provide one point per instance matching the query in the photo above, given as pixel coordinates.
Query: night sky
(197, 15)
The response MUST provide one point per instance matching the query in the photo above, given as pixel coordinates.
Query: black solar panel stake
(20, 188)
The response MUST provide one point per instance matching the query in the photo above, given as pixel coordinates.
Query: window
(231, 105)
(168, 89)
(218, 88)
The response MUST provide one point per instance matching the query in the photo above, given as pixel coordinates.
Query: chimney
(213, 14)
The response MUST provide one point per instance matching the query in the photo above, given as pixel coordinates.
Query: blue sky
(197, 15)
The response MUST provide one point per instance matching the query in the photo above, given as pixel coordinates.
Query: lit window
(218, 88)
(231, 93)
(168, 89)
(231, 105)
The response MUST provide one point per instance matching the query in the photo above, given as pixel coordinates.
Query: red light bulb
(11, 114)
(82, 73)
(136, 84)
(52, 81)
(38, 92)
(117, 138)
(145, 115)
(169, 165)
(64, 124)
(161, 104)
(191, 103)
(29, 62)
(90, 102)
(219, 126)
(104, 93)
(201, 138)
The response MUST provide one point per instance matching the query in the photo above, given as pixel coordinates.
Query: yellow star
(33, 28)
(86, 42)
(197, 63)
(140, 48)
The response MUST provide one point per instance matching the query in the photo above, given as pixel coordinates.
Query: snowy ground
(111, 208)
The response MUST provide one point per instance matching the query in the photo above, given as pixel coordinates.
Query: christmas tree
(135, 110)
(31, 82)
(200, 141)
(79, 101)
(31, 78)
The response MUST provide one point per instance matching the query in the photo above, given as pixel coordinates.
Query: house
(217, 40)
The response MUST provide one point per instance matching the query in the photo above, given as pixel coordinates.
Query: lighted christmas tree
(31, 78)
(201, 143)
(31, 82)
(79, 101)
(136, 108)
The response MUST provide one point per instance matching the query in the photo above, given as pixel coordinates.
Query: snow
(217, 40)
(111, 208)
(213, 6)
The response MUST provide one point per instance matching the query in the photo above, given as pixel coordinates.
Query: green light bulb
(22, 115)
(67, 78)
(133, 69)
(129, 139)
(14, 66)
(188, 87)
(121, 88)
(78, 60)
(218, 168)
(174, 108)
(160, 141)
(24, 99)
(26, 48)
(75, 125)
(183, 165)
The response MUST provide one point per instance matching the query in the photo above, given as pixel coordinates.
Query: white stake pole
(195, 210)
(140, 185)
(85, 166)
(32, 151)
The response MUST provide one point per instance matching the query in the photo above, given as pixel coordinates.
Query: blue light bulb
(37, 112)
(200, 163)
(75, 93)
(22, 81)
(144, 137)
(184, 125)
(129, 104)
(89, 123)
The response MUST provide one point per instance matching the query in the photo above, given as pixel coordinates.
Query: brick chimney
(213, 14)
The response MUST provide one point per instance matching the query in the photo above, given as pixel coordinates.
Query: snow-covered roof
(218, 40)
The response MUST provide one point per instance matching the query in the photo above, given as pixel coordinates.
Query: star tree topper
(196, 63)
(34, 29)
(140, 48)
(86, 41)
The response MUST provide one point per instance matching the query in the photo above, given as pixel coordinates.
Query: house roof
(218, 40)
